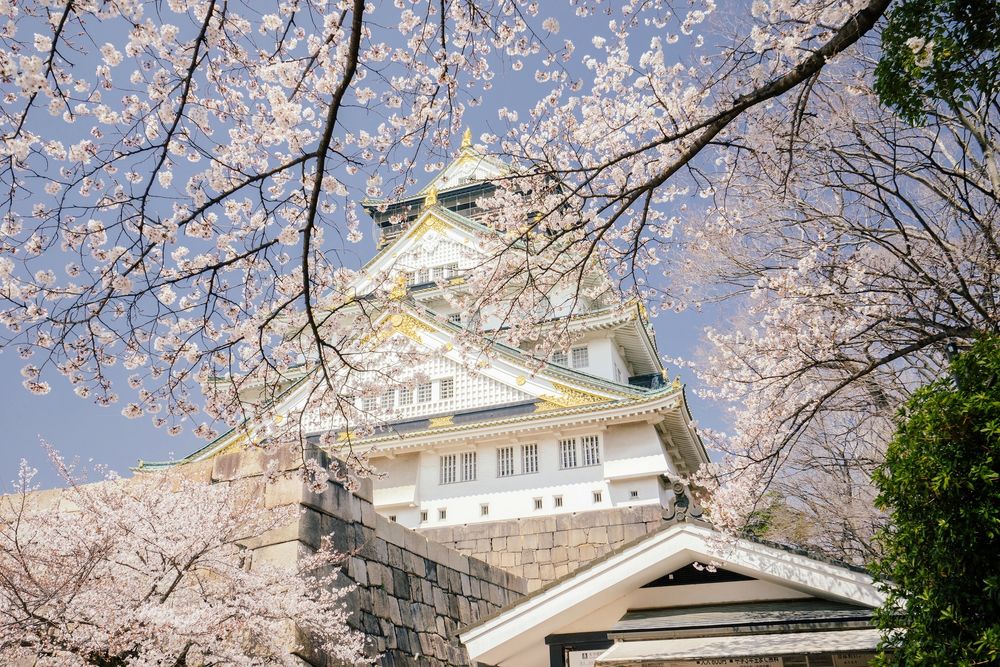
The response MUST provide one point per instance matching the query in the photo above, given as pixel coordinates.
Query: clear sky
(79, 428)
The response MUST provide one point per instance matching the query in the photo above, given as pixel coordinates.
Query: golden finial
(467, 138)
(432, 197)
(676, 384)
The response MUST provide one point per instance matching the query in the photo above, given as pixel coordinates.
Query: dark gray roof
(779, 612)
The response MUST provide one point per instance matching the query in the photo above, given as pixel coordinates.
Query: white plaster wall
(633, 440)
(513, 496)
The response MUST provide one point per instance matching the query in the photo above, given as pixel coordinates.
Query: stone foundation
(412, 594)
(542, 549)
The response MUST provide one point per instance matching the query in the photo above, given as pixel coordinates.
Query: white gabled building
(596, 427)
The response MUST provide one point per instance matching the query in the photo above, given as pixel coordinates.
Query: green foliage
(941, 485)
(958, 60)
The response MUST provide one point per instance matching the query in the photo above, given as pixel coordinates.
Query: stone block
(284, 555)
(531, 571)
(547, 572)
(507, 560)
(560, 538)
(598, 535)
(396, 533)
(400, 584)
(634, 531)
(545, 555)
(545, 541)
(586, 553)
(559, 554)
(394, 612)
(483, 546)
(225, 466)
(616, 534)
(367, 514)
(514, 543)
(415, 543)
(285, 490)
(198, 471)
(562, 570)
(375, 574)
(438, 553)
(357, 570)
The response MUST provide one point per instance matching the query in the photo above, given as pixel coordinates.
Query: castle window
(423, 276)
(423, 515)
(529, 459)
(633, 494)
(424, 392)
(505, 461)
(455, 318)
(567, 453)
(442, 514)
(538, 503)
(405, 396)
(557, 501)
(484, 510)
(392, 517)
(447, 388)
(559, 357)
(468, 466)
(385, 400)
(448, 468)
(591, 450)
(411, 278)
(581, 357)
(598, 496)
(368, 403)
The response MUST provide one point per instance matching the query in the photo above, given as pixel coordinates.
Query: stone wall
(541, 549)
(412, 594)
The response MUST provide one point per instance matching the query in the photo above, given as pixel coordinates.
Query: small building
(686, 596)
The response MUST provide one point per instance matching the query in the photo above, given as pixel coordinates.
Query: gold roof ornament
(432, 197)
(676, 384)
(467, 138)
(399, 286)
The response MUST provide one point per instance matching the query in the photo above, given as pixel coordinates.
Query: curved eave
(604, 412)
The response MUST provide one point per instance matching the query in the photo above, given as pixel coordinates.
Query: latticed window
(567, 453)
(424, 392)
(559, 357)
(447, 388)
(385, 400)
(455, 318)
(591, 450)
(505, 462)
(581, 357)
(529, 459)
(368, 403)
(468, 466)
(405, 396)
(449, 465)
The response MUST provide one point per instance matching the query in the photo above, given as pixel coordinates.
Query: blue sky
(80, 429)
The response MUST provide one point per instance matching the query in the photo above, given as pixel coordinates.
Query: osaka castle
(532, 512)
(596, 427)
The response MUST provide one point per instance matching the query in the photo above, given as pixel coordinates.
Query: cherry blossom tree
(154, 571)
(848, 247)
(181, 181)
